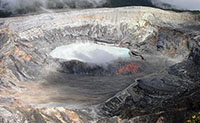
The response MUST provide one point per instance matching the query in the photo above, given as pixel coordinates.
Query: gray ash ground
(90, 84)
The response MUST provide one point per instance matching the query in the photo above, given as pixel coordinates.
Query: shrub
(195, 119)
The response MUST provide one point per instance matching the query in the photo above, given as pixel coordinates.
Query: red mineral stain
(132, 68)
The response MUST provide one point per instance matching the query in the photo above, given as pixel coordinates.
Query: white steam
(16, 5)
(90, 53)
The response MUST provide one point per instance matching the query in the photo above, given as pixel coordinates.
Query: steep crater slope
(165, 45)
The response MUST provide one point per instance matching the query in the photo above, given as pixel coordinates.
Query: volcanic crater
(160, 78)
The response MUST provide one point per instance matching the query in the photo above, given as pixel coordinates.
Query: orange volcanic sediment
(132, 68)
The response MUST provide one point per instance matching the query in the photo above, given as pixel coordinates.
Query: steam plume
(24, 6)
(90, 53)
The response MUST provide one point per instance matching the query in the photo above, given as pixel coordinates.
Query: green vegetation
(195, 12)
(120, 3)
(5, 14)
(195, 119)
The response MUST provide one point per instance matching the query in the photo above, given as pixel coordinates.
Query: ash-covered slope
(157, 35)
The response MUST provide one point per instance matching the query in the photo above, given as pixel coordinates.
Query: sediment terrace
(38, 88)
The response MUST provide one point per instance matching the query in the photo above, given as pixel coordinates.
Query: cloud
(182, 4)
(24, 6)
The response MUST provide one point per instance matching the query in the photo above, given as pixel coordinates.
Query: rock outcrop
(25, 44)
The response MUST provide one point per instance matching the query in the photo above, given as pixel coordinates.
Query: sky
(184, 4)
